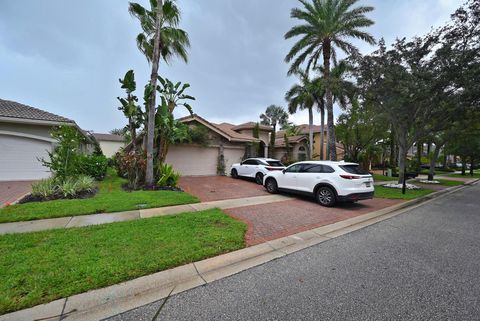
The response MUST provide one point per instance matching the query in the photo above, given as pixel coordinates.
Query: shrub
(68, 187)
(168, 177)
(45, 188)
(93, 166)
(85, 183)
(131, 166)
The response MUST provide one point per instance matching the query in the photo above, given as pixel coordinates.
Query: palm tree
(343, 92)
(274, 115)
(327, 24)
(160, 39)
(304, 96)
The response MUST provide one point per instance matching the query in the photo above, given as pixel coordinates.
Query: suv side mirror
(284, 170)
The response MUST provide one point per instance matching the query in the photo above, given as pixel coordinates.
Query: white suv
(327, 181)
(256, 168)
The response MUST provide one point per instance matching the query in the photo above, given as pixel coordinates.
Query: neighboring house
(304, 130)
(24, 139)
(109, 143)
(297, 149)
(225, 140)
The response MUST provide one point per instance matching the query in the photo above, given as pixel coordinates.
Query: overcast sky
(66, 56)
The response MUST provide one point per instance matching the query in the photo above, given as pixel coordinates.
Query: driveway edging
(119, 298)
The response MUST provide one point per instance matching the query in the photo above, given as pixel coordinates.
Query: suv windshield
(275, 163)
(354, 169)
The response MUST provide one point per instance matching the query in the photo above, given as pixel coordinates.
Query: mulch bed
(34, 198)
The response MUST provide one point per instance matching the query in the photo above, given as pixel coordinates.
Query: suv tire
(234, 173)
(271, 186)
(259, 178)
(325, 196)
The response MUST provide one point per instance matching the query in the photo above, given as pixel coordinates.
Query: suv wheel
(259, 178)
(325, 196)
(271, 186)
(234, 173)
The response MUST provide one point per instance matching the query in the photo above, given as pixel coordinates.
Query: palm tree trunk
(322, 132)
(328, 94)
(310, 132)
(153, 83)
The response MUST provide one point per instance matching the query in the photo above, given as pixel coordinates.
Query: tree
(160, 39)
(172, 96)
(274, 115)
(304, 96)
(327, 24)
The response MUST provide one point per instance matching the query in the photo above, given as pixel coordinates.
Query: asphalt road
(421, 265)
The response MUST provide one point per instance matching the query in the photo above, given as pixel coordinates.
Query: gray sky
(66, 56)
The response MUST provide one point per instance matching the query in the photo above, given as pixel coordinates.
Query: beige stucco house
(109, 143)
(24, 139)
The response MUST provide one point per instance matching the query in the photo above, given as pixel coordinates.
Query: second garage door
(191, 160)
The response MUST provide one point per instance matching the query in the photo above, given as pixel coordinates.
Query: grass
(396, 193)
(110, 198)
(43, 266)
(437, 172)
(467, 175)
(383, 178)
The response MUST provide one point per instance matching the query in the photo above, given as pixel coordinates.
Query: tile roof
(251, 125)
(11, 109)
(108, 137)
(280, 142)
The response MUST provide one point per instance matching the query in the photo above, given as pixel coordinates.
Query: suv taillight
(350, 176)
(273, 168)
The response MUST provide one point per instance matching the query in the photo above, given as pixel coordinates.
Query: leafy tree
(172, 95)
(274, 115)
(160, 39)
(327, 25)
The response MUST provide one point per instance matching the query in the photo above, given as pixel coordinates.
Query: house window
(302, 153)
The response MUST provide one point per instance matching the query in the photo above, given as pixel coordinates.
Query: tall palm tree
(274, 115)
(304, 96)
(327, 25)
(160, 39)
(343, 92)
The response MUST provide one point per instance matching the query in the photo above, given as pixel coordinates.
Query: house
(24, 139)
(228, 144)
(304, 130)
(109, 143)
(297, 149)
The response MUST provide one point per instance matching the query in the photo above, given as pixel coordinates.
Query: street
(423, 264)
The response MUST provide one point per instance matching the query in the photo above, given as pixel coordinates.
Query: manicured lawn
(467, 175)
(43, 266)
(383, 178)
(385, 192)
(437, 172)
(445, 182)
(110, 198)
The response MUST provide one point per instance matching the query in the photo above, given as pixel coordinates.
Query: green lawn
(383, 178)
(385, 192)
(110, 198)
(437, 172)
(43, 266)
(467, 175)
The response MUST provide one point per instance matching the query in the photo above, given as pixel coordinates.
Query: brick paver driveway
(214, 188)
(11, 191)
(274, 220)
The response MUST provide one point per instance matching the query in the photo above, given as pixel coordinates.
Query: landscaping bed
(44, 266)
(110, 198)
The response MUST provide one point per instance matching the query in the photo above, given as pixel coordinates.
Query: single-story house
(109, 143)
(228, 144)
(24, 139)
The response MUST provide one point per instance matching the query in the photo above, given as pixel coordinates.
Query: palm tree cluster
(326, 25)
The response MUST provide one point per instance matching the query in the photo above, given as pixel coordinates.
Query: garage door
(19, 158)
(190, 160)
(232, 156)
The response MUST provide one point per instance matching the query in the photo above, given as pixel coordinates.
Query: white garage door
(190, 160)
(18, 158)
(232, 156)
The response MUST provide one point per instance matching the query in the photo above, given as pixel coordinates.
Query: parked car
(256, 168)
(329, 182)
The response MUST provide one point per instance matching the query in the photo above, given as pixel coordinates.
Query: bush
(85, 183)
(132, 167)
(93, 166)
(45, 188)
(68, 187)
(168, 177)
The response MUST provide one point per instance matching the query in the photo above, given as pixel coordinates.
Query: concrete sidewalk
(96, 219)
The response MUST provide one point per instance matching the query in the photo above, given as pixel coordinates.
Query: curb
(105, 302)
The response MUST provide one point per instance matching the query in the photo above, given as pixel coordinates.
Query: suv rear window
(275, 163)
(354, 169)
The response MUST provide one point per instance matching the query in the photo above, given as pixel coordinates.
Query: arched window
(302, 153)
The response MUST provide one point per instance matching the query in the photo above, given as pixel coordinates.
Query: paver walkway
(271, 221)
(12, 191)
